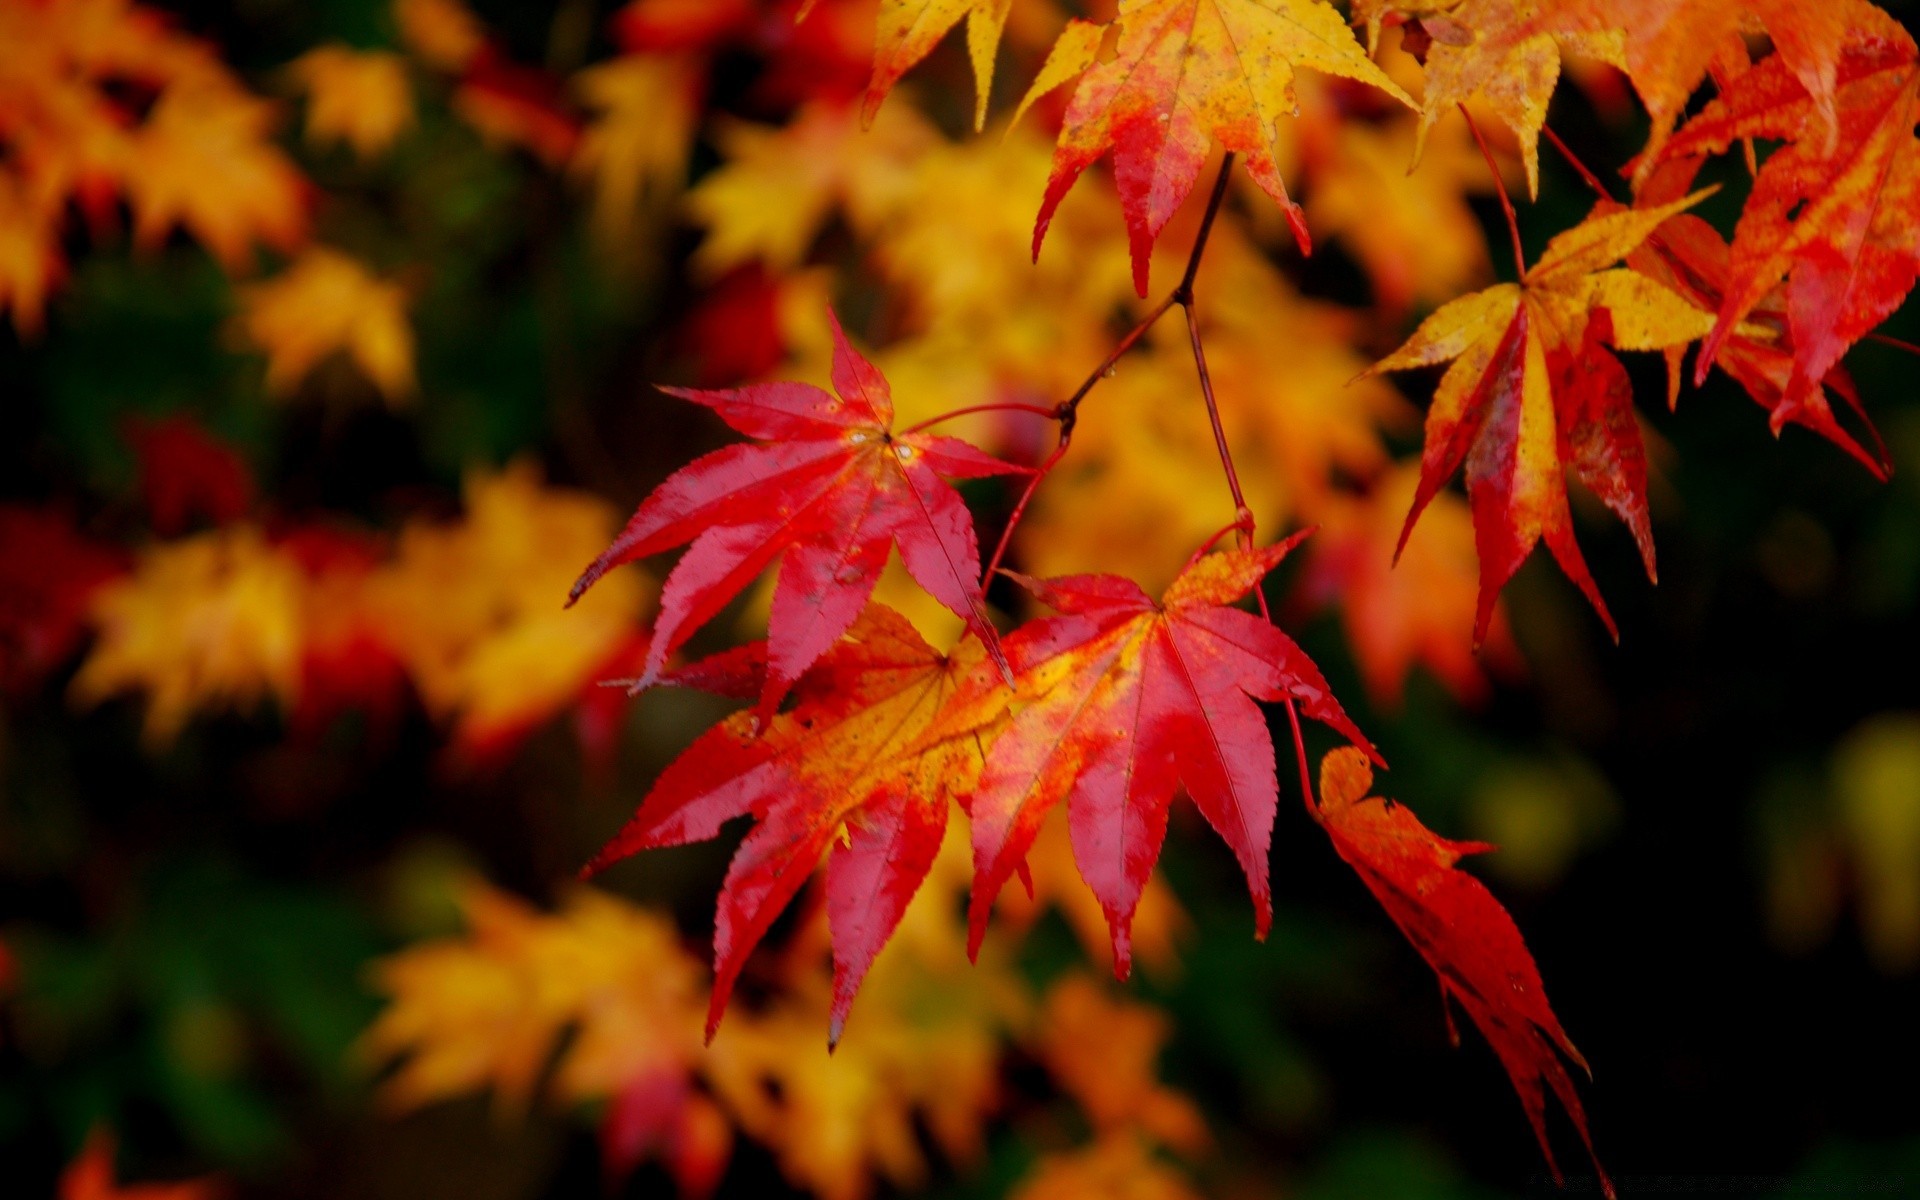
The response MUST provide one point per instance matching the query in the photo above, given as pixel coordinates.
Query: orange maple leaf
(1185, 74)
(1463, 933)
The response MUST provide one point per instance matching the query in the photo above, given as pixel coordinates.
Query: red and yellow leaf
(1121, 701)
(846, 770)
(1186, 74)
(1837, 221)
(1533, 394)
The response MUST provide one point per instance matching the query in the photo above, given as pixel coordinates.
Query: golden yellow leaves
(636, 146)
(486, 1011)
(469, 610)
(325, 304)
(490, 1010)
(212, 622)
(199, 158)
(473, 609)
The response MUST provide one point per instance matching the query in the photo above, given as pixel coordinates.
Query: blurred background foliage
(302, 441)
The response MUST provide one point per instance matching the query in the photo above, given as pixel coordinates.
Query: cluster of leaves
(599, 1004)
(1120, 701)
(888, 693)
(321, 618)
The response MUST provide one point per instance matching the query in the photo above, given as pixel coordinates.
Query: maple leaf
(1503, 56)
(1399, 611)
(1103, 1052)
(908, 30)
(1185, 74)
(1836, 222)
(778, 187)
(1121, 1165)
(511, 104)
(185, 472)
(606, 984)
(90, 1176)
(204, 160)
(326, 303)
(209, 621)
(360, 97)
(444, 34)
(31, 265)
(846, 769)
(644, 113)
(1463, 933)
(834, 487)
(469, 607)
(1123, 700)
(1533, 393)
(1670, 46)
(1691, 258)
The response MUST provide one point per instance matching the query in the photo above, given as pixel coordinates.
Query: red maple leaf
(1463, 933)
(834, 488)
(1119, 701)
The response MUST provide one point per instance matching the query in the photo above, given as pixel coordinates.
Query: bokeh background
(326, 361)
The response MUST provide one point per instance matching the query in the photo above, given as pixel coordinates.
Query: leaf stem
(1183, 296)
(1300, 757)
(1067, 412)
(1036, 409)
(1500, 183)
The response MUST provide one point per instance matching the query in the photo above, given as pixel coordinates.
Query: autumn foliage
(998, 598)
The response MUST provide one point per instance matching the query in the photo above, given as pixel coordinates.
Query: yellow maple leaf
(360, 97)
(486, 1010)
(326, 303)
(204, 160)
(474, 607)
(209, 622)
(636, 145)
(778, 187)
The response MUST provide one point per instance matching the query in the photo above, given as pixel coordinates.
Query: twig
(1500, 185)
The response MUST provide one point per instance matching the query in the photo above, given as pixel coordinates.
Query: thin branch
(1067, 412)
(1026, 495)
(1037, 410)
(1500, 183)
(1573, 160)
